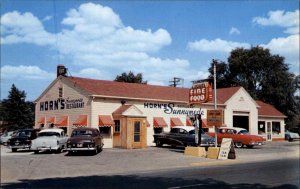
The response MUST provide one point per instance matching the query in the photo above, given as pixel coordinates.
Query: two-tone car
(22, 139)
(290, 136)
(182, 136)
(85, 139)
(240, 137)
(50, 140)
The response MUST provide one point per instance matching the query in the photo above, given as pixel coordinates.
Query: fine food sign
(200, 93)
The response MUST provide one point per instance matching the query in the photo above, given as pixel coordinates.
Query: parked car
(5, 137)
(290, 136)
(22, 139)
(240, 137)
(50, 140)
(85, 139)
(182, 136)
(295, 130)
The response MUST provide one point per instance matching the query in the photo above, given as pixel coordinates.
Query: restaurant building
(128, 114)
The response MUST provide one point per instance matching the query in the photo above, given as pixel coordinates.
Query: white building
(129, 114)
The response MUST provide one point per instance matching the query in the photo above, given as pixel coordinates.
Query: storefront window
(276, 128)
(261, 128)
(117, 126)
(105, 131)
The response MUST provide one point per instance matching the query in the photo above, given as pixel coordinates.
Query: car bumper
(257, 143)
(25, 146)
(80, 149)
(45, 148)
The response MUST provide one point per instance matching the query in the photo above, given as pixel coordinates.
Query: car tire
(59, 150)
(36, 151)
(158, 143)
(14, 149)
(290, 139)
(238, 144)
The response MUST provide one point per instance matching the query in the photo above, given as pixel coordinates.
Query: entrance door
(136, 134)
(269, 131)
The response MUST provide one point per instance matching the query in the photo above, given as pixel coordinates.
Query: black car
(22, 139)
(182, 136)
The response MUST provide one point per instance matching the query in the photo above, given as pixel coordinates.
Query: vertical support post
(200, 129)
(215, 99)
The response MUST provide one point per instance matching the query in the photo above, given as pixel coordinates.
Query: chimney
(61, 70)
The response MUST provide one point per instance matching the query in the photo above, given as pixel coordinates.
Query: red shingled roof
(131, 90)
(268, 110)
(142, 91)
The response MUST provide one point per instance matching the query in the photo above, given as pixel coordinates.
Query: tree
(130, 78)
(265, 76)
(18, 113)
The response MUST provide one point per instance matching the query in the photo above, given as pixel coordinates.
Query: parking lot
(27, 165)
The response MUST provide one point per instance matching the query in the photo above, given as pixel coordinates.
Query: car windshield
(244, 132)
(192, 132)
(81, 132)
(48, 134)
(23, 134)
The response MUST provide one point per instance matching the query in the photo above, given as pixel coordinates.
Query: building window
(261, 128)
(276, 128)
(60, 92)
(105, 131)
(137, 131)
(117, 126)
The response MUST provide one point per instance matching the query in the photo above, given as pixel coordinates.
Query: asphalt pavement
(164, 167)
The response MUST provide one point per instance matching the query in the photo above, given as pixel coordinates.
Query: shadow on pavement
(133, 181)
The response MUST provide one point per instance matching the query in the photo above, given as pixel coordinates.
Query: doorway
(269, 131)
(241, 121)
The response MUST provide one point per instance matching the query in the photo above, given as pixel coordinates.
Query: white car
(50, 140)
(5, 136)
(290, 136)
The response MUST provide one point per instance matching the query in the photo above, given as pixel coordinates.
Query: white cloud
(287, 20)
(217, 45)
(234, 30)
(47, 18)
(24, 28)
(287, 47)
(25, 72)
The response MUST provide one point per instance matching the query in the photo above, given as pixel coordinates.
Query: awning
(159, 122)
(51, 120)
(62, 122)
(175, 121)
(42, 120)
(188, 122)
(81, 121)
(105, 121)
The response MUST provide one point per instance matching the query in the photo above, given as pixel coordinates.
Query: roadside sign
(227, 149)
(200, 93)
(215, 118)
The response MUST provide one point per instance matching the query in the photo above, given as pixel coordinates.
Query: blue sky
(160, 39)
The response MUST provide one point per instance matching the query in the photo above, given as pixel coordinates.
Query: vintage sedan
(50, 140)
(240, 137)
(6, 136)
(182, 136)
(290, 136)
(22, 139)
(85, 139)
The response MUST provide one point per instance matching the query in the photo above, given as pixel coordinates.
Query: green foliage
(130, 78)
(17, 112)
(265, 76)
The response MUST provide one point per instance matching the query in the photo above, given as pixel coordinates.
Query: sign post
(227, 149)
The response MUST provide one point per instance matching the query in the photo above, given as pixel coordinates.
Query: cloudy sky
(160, 39)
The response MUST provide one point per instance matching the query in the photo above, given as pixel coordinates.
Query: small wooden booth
(133, 128)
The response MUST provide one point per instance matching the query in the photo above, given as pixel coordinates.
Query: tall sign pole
(215, 100)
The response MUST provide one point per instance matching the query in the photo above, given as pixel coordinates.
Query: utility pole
(176, 81)
(215, 99)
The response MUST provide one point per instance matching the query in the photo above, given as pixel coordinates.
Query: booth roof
(143, 91)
